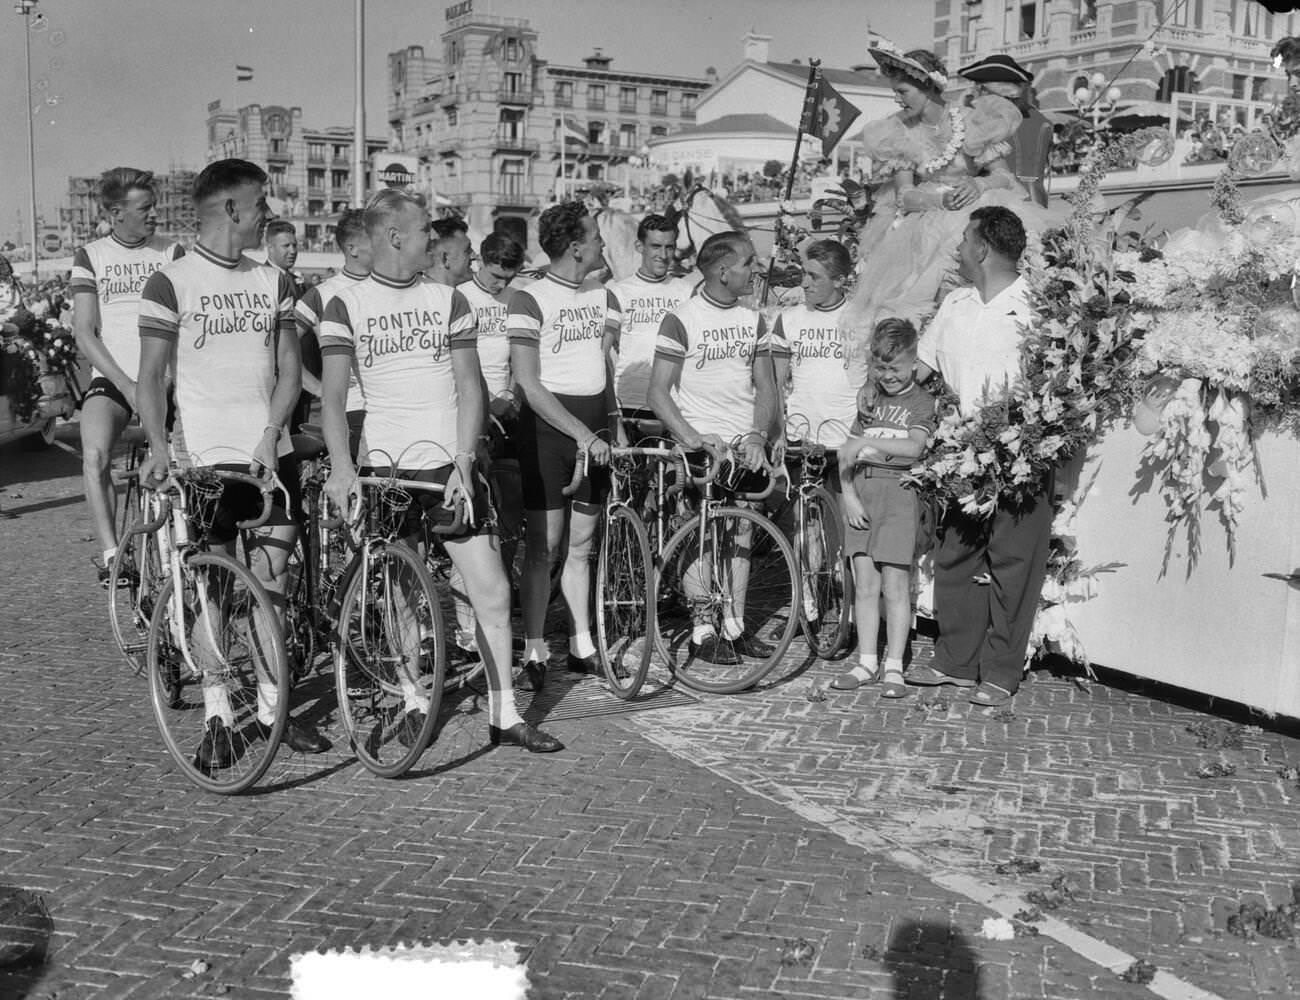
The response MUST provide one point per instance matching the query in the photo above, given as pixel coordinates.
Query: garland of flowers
(47, 350)
(956, 139)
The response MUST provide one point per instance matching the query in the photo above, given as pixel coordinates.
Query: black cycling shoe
(217, 751)
(533, 676)
(714, 650)
(301, 737)
(521, 734)
(750, 645)
(583, 664)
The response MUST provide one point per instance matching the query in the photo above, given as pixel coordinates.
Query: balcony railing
(505, 141)
(564, 100)
(513, 189)
(515, 95)
(627, 107)
(688, 114)
(595, 104)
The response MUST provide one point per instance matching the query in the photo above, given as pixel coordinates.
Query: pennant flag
(826, 114)
(243, 74)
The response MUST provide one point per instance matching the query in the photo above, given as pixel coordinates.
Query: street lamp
(25, 8)
(1095, 102)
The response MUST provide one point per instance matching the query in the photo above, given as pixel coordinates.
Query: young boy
(895, 420)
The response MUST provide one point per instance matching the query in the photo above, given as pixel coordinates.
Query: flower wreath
(957, 125)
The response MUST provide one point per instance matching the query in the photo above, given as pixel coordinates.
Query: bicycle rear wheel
(624, 602)
(825, 608)
(139, 563)
(704, 587)
(216, 651)
(390, 658)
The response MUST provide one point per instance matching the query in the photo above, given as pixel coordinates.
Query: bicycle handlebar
(416, 486)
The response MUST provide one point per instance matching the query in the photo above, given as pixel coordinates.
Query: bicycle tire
(245, 642)
(624, 602)
(376, 638)
(440, 571)
(819, 553)
(771, 596)
(139, 562)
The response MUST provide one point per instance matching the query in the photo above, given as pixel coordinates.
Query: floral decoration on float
(43, 355)
(1196, 340)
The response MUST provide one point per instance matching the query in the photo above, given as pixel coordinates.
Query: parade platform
(1228, 628)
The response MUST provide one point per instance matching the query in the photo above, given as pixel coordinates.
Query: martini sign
(395, 175)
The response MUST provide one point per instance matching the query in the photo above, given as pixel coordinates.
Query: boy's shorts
(893, 513)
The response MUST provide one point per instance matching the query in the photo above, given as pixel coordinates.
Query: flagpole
(804, 121)
(359, 112)
(564, 142)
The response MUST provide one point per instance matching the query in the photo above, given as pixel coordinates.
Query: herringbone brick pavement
(744, 847)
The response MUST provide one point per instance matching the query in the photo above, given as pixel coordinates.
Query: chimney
(756, 46)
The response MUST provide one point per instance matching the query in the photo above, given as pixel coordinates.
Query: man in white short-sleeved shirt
(224, 325)
(309, 312)
(646, 297)
(974, 343)
(412, 340)
(108, 276)
(714, 382)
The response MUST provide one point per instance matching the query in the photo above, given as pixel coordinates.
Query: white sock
(268, 697)
(701, 632)
(216, 704)
(733, 628)
(109, 554)
(580, 645)
(502, 712)
(863, 671)
(535, 651)
(893, 666)
(867, 660)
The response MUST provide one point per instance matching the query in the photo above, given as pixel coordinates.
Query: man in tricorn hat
(1032, 144)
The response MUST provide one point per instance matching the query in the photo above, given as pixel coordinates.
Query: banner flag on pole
(570, 132)
(826, 113)
(243, 74)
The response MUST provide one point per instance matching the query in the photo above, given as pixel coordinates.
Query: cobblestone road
(764, 845)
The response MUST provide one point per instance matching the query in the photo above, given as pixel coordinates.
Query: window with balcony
(451, 169)
(1087, 15)
(1179, 80)
(338, 178)
(564, 94)
(627, 99)
(279, 147)
(627, 136)
(316, 179)
(1239, 85)
(596, 96)
(658, 130)
(511, 182)
(659, 102)
(510, 125)
(688, 104)
(316, 152)
(512, 83)
(453, 117)
(340, 152)
(513, 50)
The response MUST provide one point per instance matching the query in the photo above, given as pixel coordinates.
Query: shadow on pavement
(25, 930)
(930, 960)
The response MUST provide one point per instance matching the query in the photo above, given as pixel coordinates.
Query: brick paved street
(773, 844)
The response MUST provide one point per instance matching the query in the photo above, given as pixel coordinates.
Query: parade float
(1162, 385)
(38, 360)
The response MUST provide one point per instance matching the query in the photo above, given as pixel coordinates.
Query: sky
(128, 82)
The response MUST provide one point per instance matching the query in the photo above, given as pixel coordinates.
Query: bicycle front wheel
(218, 674)
(390, 658)
(726, 602)
(138, 574)
(826, 592)
(624, 603)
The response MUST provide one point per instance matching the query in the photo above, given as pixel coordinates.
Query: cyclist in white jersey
(823, 377)
(488, 294)
(646, 297)
(413, 341)
(350, 235)
(562, 331)
(713, 383)
(224, 325)
(108, 276)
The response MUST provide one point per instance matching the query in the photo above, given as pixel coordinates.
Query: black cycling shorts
(547, 456)
(243, 502)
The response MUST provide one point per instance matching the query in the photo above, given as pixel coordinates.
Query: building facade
(309, 170)
(499, 131)
(1208, 59)
(80, 218)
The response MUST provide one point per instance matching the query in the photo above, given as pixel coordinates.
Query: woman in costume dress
(932, 162)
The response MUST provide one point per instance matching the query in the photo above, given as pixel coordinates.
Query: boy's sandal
(849, 681)
(990, 695)
(893, 686)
